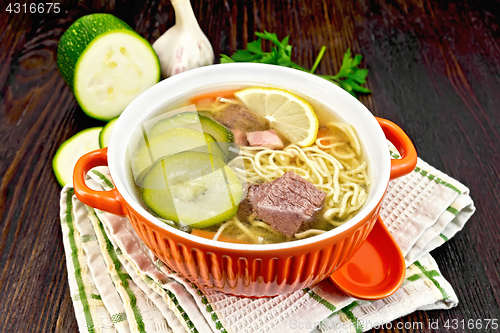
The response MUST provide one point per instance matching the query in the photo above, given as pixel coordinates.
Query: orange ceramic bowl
(247, 269)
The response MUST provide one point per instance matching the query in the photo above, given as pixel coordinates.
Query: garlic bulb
(184, 46)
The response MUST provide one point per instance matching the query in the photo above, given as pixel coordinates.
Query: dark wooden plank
(426, 72)
(434, 69)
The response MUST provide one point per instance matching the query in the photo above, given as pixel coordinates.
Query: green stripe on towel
(183, 313)
(430, 275)
(117, 251)
(76, 262)
(104, 179)
(320, 299)
(88, 238)
(414, 277)
(394, 155)
(122, 276)
(347, 311)
(95, 296)
(428, 175)
(436, 179)
(452, 210)
(210, 310)
(119, 317)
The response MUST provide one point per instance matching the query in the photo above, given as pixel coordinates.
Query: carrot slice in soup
(211, 234)
(211, 96)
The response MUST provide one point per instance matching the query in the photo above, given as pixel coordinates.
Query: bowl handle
(408, 160)
(109, 201)
(376, 270)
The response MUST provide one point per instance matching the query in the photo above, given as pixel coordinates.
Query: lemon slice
(287, 113)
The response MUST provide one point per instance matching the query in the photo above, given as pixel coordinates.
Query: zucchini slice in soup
(171, 141)
(193, 120)
(199, 122)
(192, 188)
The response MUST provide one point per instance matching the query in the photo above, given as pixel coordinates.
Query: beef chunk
(244, 210)
(288, 203)
(268, 139)
(238, 117)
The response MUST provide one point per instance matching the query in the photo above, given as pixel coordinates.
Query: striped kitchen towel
(118, 285)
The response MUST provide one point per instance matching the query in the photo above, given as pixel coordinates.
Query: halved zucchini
(106, 64)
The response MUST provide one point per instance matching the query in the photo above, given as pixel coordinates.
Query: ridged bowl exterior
(252, 273)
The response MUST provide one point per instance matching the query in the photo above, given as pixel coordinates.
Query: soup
(237, 166)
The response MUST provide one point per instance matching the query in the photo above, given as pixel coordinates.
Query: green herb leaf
(255, 47)
(350, 77)
(224, 59)
(270, 37)
(284, 42)
(359, 75)
(359, 88)
(242, 56)
(268, 58)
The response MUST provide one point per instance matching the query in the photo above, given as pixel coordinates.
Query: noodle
(309, 233)
(246, 231)
(332, 165)
(221, 229)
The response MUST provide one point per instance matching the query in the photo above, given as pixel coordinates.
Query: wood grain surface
(434, 69)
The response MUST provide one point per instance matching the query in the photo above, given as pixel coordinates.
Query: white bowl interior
(334, 99)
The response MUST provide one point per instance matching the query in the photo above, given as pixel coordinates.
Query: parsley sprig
(350, 77)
